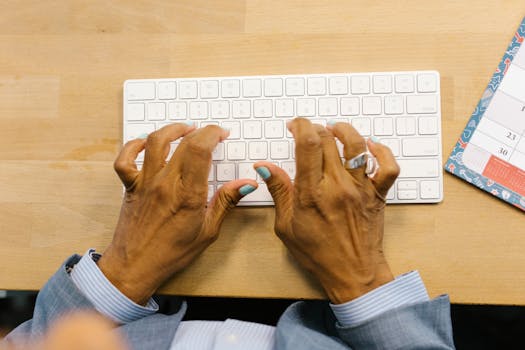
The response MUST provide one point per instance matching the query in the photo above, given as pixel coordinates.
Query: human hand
(331, 218)
(164, 221)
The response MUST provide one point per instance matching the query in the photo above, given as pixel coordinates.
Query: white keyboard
(401, 109)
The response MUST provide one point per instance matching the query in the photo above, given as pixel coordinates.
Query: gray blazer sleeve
(60, 296)
(312, 325)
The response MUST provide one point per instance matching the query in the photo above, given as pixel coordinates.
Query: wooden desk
(62, 65)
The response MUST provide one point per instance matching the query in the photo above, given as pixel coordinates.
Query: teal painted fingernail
(264, 172)
(189, 123)
(332, 122)
(143, 136)
(375, 139)
(246, 189)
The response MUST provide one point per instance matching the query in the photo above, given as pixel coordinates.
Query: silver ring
(365, 158)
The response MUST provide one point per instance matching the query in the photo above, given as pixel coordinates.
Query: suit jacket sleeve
(60, 296)
(312, 325)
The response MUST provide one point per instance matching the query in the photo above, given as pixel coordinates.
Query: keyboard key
(429, 189)
(274, 129)
(406, 185)
(246, 171)
(135, 111)
(218, 152)
(294, 86)
(414, 168)
(360, 84)
(428, 125)
(241, 109)
(394, 105)
(383, 127)
(209, 89)
(261, 194)
(230, 88)
(279, 150)
(421, 104)
(234, 128)
(305, 107)
(188, 89)
(140, 91)
(362, 125)
(220, 109)
(133, 131)
(211, 192)
(289, 168)
(372, 105)
(328, 106)
(199, 110)
(407, 194)
(236, 150)
(262, 108)
(284, 107)
(406, 126)
(156, 111)
(258, 150)
(177, 110)
(319, 121)
(225, 171)
(382, 84)
(211, 174)
(251, 88)
(338, 86)
(167, 90)
(404, 83)
(393, 144)
(273, 87)
(426, 83)
(317, 86)
(421, 146)
(350, 106)
(252, 129)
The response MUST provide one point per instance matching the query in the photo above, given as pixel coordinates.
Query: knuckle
(309, 142)
(196, 147)
(225, 200)
(120, 165)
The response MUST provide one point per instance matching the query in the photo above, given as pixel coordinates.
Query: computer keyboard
(401, 109)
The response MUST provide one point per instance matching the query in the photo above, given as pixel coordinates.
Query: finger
(388, 168)
(225, 199)
(158, 146)
(192, 159)
(354, 144)
(331, 159)
(281, 188)
(308, 153)
(83, 331)
(124, 165)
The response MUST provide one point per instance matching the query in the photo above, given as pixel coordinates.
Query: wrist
(122, 275)
(357, 285)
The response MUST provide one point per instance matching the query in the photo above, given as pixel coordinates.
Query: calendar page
(490, 153)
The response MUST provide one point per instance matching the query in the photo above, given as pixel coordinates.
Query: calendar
(490, 153)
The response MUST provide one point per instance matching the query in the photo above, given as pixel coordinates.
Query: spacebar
(261, 194)
(418, 167)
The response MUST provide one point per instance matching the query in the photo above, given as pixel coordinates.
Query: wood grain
(62, 65)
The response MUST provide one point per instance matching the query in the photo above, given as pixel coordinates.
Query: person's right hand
(331, 218)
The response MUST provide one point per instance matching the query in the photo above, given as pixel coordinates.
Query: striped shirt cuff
(404, 290)
(106, 298)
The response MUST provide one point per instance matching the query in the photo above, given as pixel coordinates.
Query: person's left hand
(164, 221)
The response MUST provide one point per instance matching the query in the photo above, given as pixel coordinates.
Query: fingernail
(189, 123)
(246, 189)
(375, 139)
(263, 172)
(143, 136)
(332, 122)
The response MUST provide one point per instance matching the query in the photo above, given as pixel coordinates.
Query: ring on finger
(363, 159)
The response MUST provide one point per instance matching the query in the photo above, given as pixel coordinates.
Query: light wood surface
(62, 65)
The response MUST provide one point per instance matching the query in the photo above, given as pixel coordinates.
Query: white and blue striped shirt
(233, 334)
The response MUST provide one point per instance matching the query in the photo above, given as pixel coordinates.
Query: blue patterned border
(455, 164)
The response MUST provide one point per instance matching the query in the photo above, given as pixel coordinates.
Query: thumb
(225, 199)
(279, 185)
